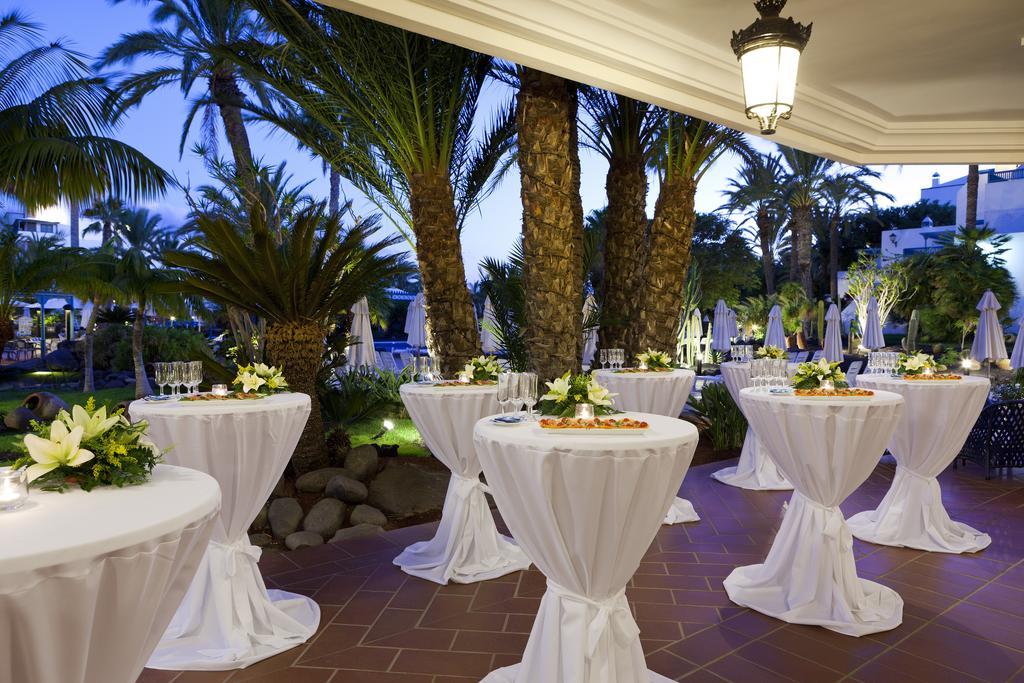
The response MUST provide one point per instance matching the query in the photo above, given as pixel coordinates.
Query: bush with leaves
(722, 417)
(362, 393)
(113, 346)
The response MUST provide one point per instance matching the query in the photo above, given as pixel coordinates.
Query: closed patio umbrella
(989, 344)
(589, 335)
(774, 335)
(833, 348)
(1017, 359)
(416, 323)
(734, 330)
(488, 342)
(720, 327)
(361, 353)
(873, 338)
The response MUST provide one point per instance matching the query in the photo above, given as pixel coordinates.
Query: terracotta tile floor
(963, 619)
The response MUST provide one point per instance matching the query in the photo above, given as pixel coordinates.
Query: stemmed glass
(528, 392)
(196, 375)
(503, 390)
(604, 358)
(160, 376)
(515, 391)
(423, 368)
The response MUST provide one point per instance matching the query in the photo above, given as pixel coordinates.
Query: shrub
(112, 347)
(362, 393)
(725, 423)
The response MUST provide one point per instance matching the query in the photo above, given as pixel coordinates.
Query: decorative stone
(357, 531)
(260, 540)
(366, 514)
(402, 490)
(285, 515)
(19, 419)
(260, 522)
(347, 489)
(284, 488)
(316, 481)
(45, 405)
(362, 462)
(325, 517)
(303, 539)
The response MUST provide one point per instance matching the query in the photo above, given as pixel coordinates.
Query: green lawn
(404, 434)
(9, 400)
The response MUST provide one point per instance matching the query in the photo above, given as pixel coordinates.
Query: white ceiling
(881, 81)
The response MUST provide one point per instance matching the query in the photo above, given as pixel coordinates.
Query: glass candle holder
(826, 385)
(219, 390)
(13, 488)
(585, 411)
(927, 370)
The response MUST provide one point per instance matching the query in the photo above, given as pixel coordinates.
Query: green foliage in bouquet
(724, 422)
(482, 368)
(565, 392)
(916, 363)
(770, 352)
(811, 375)
(89, 448)
(654, 360)
(260, 378)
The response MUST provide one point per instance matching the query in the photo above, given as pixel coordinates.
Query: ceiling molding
(606, 44)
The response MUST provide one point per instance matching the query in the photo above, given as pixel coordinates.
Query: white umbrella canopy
(720, 327)
(361, 353)
(488, 342)
(416, 323)
(734, 330)
(873, 337)
(833, 348)
(590, 335)
(775, 335)
(988, 339)
(1017, 359)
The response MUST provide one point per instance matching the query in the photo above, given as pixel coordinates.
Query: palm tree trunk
(6, 331)
(802, 238)
(74, 215)
(297, 349)
(833, 258)
(229, 99)
(452, 336)
(971, 218)
(334, 198)
(625, 221)
(764, 233)
(88, 376)
(108, 232)
(142, 387)
(668, 258)
(552, 222)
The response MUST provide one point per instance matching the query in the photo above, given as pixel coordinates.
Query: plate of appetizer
(638, 371)
(233, 395)
(832, 394)
(944, 378)
(457, 384)
(596, 425)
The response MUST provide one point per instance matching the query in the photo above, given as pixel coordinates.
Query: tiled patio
(963, 619)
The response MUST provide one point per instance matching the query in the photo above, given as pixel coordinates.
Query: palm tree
(842, 194)
(549, 169)
(107, 215)
(971, 208)
(624, 132)
(757, 194)
(91, 275)
(805, 176)
(687, 148)
(189, 46)
(142, 278)
(53, 126)
(26, 266)
(298, 284)
(409, 102)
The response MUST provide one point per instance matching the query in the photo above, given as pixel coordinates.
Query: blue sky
(155, 128)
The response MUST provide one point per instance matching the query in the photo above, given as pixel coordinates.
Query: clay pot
(19, 419)
(45, 405)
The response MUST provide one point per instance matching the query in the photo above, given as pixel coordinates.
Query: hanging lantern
(769, 54)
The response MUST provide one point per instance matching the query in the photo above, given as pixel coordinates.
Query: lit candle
(643, 365)
(13, 488)
(219, 390)
(826, 385)
(585, 411)
(928, 370)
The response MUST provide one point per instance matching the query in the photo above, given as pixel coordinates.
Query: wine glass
(160, 376)
(196, 375)
(529, 392)
(515, 391)
(423, 368)
(503, 390)
(604, 358)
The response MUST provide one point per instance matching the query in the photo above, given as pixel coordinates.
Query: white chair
(792, 356)
(802, 357)
(817, 356)
(852, 372)
(406, 361)
(386, 361)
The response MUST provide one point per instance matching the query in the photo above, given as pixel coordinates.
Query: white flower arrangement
(770, 352)
(482, 369)
(917, 364)
(654, 360)
(260, 379)
(568, 390)
(811, 375)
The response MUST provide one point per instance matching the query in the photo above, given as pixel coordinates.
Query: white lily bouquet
(770, 352)
(657, 361)
(917, 364)
(481, 370)
(89, 448)
(817, 375)
(260, 379)
(569, 390)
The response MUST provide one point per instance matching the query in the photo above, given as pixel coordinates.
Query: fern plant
(725, 424)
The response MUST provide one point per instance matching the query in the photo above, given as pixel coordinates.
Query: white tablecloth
(229, 619)
(660, 393)
(89, 581)
(755, 470)
(467, 546)
(936, 421)
(827, 448)
(585, 508)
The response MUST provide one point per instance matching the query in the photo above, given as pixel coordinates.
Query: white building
(1000, 207)
(49, 221)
